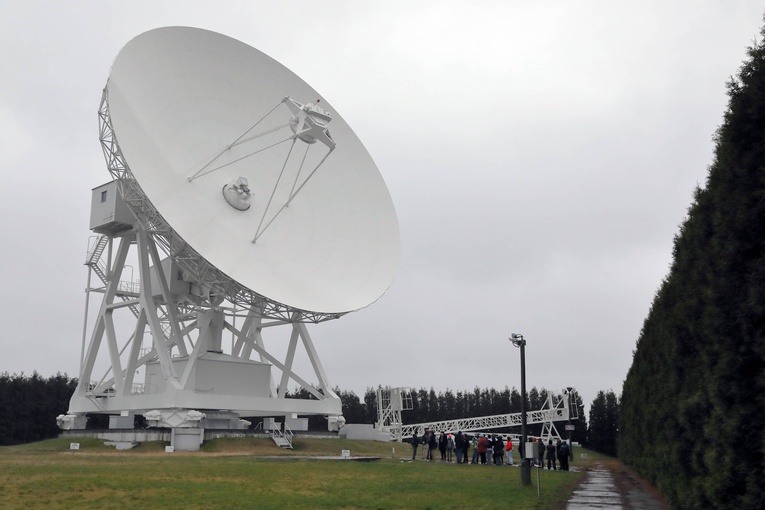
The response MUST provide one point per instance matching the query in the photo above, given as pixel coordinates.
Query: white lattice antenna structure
(555, 408)
(390, 403)
(175, 342)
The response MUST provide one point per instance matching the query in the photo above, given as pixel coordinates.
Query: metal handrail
(282, 438)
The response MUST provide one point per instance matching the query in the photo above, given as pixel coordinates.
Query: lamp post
(519, 341)
(569, 394)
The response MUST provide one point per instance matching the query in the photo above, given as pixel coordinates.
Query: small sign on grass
(346, 454)
(74, 446)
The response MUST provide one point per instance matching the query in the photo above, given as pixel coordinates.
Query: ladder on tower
(94, 255)
(93, 261)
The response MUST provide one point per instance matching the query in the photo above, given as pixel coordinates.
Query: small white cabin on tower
(108, 212)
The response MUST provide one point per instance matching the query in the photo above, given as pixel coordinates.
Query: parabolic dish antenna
(252, 171)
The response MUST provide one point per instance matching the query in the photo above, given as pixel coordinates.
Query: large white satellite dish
(247, 204)
(193, 111)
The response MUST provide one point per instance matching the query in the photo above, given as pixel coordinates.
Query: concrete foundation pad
(121, 445)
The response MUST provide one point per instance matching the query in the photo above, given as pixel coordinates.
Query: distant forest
(692, 404)
(29, 406)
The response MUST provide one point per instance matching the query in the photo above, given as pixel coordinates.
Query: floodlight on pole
(518, 341)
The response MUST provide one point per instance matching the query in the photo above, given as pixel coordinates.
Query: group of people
(487, 449)
(560, 451)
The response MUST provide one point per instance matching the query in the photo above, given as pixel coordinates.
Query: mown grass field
(241, 473)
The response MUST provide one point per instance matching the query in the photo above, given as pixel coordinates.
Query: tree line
(692, 403)
(29, 405)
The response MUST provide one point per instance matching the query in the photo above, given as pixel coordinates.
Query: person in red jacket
(509, 451)
(483, 444)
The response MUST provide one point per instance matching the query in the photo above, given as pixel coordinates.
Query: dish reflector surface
(178, 97)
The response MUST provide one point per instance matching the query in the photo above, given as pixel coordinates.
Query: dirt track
(636, 493)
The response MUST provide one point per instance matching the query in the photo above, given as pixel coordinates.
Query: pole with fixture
(520, 342)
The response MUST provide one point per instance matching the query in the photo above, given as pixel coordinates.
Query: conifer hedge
(692, 407)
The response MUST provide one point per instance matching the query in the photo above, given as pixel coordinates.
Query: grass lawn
(240, 473)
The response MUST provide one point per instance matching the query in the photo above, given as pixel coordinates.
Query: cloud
(540, 156)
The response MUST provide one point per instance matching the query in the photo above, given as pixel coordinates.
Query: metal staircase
(282, 439)
(94, 255)
(94, 262)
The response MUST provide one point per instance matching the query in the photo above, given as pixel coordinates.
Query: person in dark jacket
(415, 442)
(551, 455)
(432, 444)
(563, 453)
(442, 444)
(499, 450)
(459, 446)
(541, 453)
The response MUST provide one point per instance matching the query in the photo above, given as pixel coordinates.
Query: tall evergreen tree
(354, 411)
(370, 405)
(692, 415)
(604, 422)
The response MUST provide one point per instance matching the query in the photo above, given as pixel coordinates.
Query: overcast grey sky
(540, 156)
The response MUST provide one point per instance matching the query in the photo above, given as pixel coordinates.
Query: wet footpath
(607, 486)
